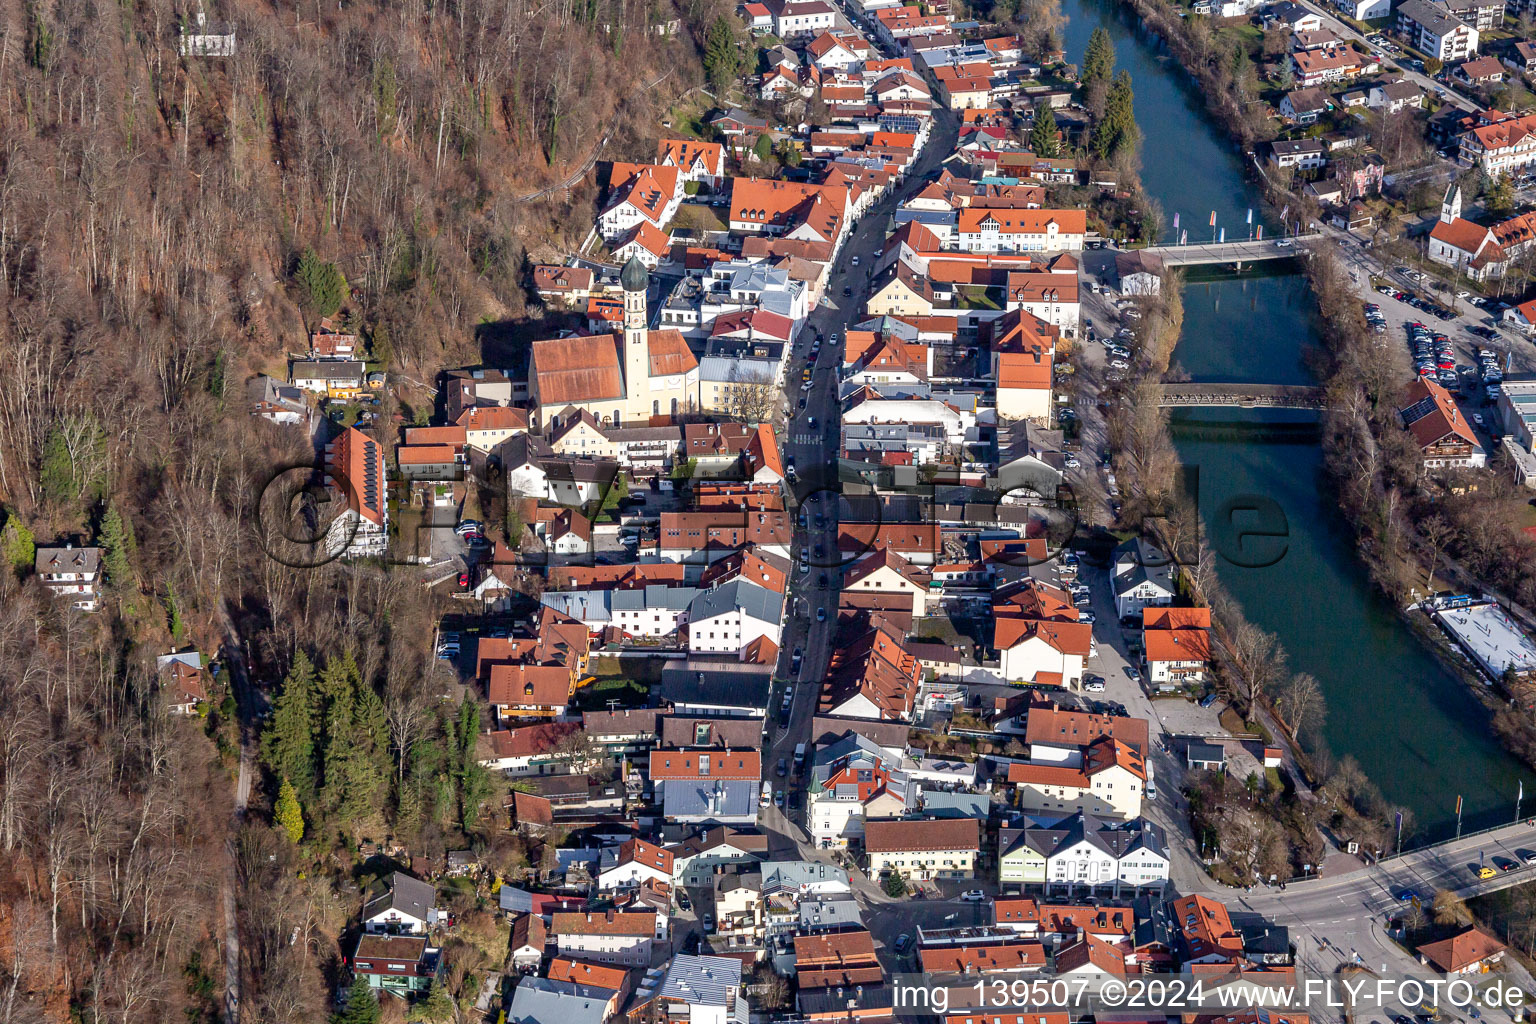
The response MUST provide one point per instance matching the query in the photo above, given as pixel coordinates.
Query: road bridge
(1234, 252)
(1242, 396)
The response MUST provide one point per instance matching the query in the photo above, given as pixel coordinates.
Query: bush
(690, 188)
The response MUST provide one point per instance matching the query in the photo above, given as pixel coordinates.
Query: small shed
(1273, 756)
(1211, 757)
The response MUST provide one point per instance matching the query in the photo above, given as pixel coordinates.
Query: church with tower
(633, 378)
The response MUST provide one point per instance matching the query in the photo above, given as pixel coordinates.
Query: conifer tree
(722, 57)
(18, 548)
(288, 812)
(118, 546)
(288, 745)
(1043, 136)
(362, 1005)
(1099, 59)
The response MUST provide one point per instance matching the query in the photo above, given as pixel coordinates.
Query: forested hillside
(155, 210)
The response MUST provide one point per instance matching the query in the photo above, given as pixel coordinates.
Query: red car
(464, 580)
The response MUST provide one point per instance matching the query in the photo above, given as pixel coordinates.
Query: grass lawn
(1249, 37)
(687, 118)
(698, 218)
(972, 296)
(629, 693)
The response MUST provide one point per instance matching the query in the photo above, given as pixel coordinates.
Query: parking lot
(1466, 357)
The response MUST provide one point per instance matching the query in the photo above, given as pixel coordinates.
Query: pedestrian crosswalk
(806, 439)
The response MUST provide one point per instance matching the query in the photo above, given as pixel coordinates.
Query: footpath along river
(1411, 724)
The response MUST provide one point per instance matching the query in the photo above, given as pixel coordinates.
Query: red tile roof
(921, 836)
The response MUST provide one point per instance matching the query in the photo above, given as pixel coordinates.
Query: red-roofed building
(1500, 143)
(528, 749)
(695, 160)
(1442, 431)
(644, 242)
(872, 677)
(1205, 932)
(639, 193)
(569, 286)
(1013, 230)
(355, 471)
(1471, 248)
(638, 862)
(1037, 632)
(760, 459)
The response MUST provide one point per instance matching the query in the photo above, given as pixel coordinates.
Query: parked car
(1094, 685)
(973, 896)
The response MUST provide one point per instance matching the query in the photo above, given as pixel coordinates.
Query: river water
(1411, 725)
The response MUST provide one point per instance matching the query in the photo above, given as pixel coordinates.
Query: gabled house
(695, 860)
(1176, 644)
(1038, 636)
(355, 474)
(70, 574)
(872, 676)
(853, 781)
(1082, 850)
(635, 863)
(1143, 577)
(1106, 781)
(609, 937)
(731, 617)
(922, 849)
(639, 194)
(401, 906)
(1434, 30)
(273, 400)
(1441, 430)
(534, 677)
(181, 680)
(696, 160)
(569, 286)
(1394, 97)
(1205, 933)
(886, 572)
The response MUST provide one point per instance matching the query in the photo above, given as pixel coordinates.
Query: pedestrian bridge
(1234, 252)
(1242, 396)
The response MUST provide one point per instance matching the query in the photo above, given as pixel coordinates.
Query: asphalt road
(812, 450)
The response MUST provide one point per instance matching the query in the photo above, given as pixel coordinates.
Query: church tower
(1450, 206)
(637, 356)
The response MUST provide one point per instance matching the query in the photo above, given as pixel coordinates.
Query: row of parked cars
(1429, 308)
(1432, 354)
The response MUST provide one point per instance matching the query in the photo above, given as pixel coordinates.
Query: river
(1411, 724)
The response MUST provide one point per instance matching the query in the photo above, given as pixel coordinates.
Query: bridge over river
(1242, 396)
(1234, 252)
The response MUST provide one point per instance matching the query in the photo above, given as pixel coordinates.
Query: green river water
(1412, 725)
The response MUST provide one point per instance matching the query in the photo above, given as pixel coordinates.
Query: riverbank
(1396, 711)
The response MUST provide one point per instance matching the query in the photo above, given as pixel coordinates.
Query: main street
(809, 442)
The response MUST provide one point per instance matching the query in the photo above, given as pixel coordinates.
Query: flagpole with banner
(1250, 223)
(1213, 225)
(1399, 833)
(1458, 815)
(1519, 796)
